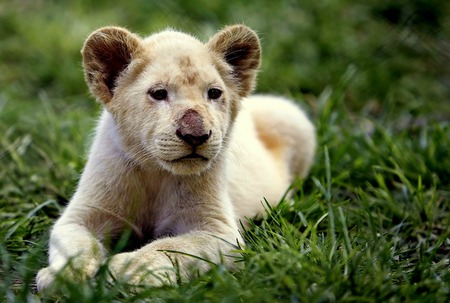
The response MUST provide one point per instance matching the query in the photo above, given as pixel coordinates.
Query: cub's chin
(188, 165)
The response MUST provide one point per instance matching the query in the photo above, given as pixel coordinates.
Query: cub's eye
(158, 94)
(214, 93)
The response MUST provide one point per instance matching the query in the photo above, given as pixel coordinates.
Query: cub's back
(272, 142)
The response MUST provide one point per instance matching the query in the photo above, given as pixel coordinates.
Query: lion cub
(181, 154)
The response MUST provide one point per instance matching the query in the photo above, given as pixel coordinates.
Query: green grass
(370, 224)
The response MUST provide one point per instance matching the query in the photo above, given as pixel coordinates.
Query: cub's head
(173, 98)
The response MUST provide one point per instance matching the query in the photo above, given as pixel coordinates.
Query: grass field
(370, 224)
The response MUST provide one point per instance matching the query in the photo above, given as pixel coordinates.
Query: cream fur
(136, 177)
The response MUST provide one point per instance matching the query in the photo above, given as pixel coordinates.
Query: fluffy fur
(181, 154)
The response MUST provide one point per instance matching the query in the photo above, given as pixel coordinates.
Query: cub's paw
(132, 269)
(45, 279)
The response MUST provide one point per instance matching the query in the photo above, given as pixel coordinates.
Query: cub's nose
(193, 140)
(191, 129)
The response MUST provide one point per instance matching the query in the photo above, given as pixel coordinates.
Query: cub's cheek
(151, 134)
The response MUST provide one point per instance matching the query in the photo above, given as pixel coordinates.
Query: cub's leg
(285, 131)
(95, 215)
(74, 253)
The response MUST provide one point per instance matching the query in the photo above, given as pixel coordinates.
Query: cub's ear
(239, 46)
(106, 53)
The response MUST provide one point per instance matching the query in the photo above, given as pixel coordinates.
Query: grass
(370, 224)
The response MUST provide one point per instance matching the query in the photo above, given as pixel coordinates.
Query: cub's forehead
(178, 57)
(173, 42)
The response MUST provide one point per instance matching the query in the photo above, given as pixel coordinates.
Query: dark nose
(191, 129)
(193, 140)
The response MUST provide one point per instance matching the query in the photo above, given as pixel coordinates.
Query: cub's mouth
(193, 156)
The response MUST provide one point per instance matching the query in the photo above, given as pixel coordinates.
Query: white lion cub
(181, 154)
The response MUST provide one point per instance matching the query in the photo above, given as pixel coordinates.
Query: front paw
(45, 278)
(120, 263)
(136, 270)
